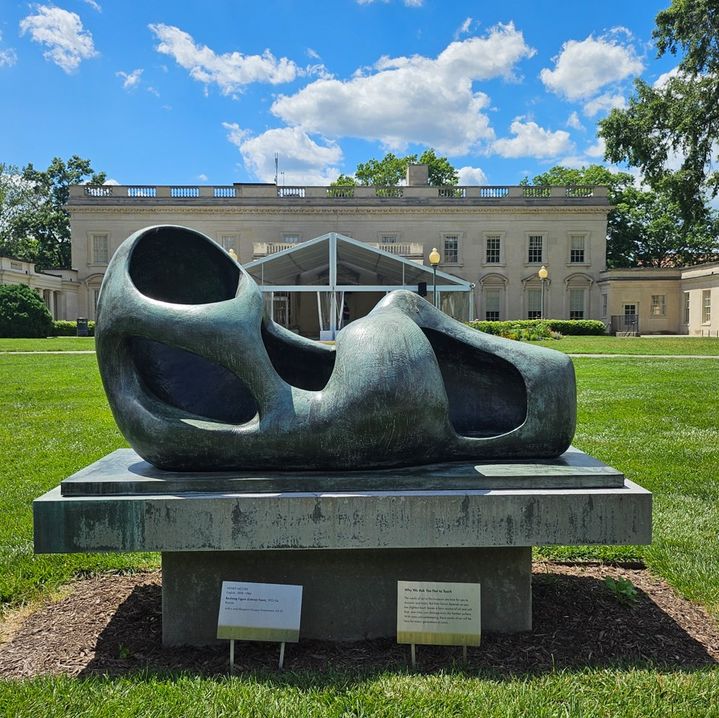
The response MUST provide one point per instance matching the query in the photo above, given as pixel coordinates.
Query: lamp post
(233, 254)
(543, 274)
(434, 261)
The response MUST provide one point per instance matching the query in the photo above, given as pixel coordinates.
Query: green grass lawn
(634, 345)
(51, 344)
(655, 419)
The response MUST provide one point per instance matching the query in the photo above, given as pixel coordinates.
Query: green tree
(23, 313)
(676, 122)
(34, 223)
(645, 228)
(391, 171)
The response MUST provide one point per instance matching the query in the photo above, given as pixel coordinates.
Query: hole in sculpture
(306, 366)
(191, 383)
(177, 265)
(487, 395)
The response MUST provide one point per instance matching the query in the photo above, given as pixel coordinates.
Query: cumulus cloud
(574, 122)
(8, 57)
(603, 103)
(202, 177)
(662, 80)
(129, 80)
(531, 140)
(597, 149)
(471, 176)
(62, 32)
(302, 160)
(463, 29)
(230, 71)
(402, 100)
(583, 67)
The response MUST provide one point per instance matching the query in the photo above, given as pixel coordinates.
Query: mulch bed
(111, 624)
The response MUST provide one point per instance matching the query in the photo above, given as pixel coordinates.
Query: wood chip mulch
(111, 624)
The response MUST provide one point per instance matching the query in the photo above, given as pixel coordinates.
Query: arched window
(577, 294)
(492, 300)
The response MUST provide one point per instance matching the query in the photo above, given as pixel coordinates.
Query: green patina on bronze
(200, 379)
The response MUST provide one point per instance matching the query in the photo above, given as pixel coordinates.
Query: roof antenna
(277, 164)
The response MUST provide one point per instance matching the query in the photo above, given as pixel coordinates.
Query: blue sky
(186, 92)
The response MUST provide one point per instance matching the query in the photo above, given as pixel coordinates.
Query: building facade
(495, 238)
(58, 288)
(682, 300)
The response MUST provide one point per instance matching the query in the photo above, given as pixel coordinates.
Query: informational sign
(259, 612)
(445, 614)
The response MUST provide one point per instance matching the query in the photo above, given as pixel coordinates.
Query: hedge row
(541, 328)
(22, 312)
(62, 328)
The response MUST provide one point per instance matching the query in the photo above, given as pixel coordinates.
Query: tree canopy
(645, 228)
(391, 170)
(670, 130)
(34, 224)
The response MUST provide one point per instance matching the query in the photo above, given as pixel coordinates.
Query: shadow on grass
(578, 623)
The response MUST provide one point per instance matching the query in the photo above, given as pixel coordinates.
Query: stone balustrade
(223, 193)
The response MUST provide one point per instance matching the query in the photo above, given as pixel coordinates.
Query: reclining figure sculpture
(199, 378)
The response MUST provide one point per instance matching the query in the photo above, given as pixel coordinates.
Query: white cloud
(302, 160)
(531, 140)
(574, 122)
(202, 177)
(313, 54)
(229, 71)
(111, 181)
(8, 57)
(585, 66)
(429, 101)
(463, 29)
(471, 176)
(153, 90)
(130, 80)
(63, 33)
(603, 103)
(597, 149)
(662, 80)
(93, 5)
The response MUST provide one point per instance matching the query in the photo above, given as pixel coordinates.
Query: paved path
(644, 356)
(574, 356)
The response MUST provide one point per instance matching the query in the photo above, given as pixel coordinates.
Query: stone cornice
(225, 210)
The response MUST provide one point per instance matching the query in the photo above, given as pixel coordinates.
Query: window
(576, 249)
(659, 305)
(291, 238)
(450, 242)
(534, 303)
(534, 255)
(706, 306)
(388, 238)
(686, 308)
(491, 304)
(576, 303)
(230, 241)
(100, 246)
(494, 246)
(605, 301)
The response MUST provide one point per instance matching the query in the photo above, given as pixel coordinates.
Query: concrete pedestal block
(347, 538)
(347, 595)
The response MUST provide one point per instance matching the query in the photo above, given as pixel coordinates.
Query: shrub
(537, 329)
(23, 313)
(64, 328)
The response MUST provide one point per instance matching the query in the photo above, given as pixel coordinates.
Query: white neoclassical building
(491, 240)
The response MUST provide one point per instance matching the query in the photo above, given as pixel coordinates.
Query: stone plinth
(346, 541)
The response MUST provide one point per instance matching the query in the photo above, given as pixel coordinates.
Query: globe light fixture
(543, 275)
(434, 260)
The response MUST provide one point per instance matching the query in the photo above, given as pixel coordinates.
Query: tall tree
(34, 223)
(645, 228)
(676, 123)
(391, 170)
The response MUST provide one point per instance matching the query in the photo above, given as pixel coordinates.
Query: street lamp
(233, 254)
(543, 274)
(434, 261)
